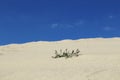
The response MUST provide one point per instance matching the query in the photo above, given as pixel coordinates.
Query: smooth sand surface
(100, 60)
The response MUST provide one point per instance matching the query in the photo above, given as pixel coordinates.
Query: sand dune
(100, 60)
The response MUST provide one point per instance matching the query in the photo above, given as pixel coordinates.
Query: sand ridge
(100, 60)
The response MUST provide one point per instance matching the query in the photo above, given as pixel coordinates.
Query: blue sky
(50, 20)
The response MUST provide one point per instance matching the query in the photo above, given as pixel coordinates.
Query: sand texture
(99, 60)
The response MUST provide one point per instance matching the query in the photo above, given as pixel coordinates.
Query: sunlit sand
(99, 60)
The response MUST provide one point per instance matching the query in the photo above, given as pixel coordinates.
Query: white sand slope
(100, 60)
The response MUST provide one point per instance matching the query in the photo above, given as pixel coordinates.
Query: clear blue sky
(49, 20)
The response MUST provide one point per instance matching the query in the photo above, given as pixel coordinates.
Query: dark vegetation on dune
(66, 53)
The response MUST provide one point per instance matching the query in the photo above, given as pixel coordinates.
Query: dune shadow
(1, 54)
